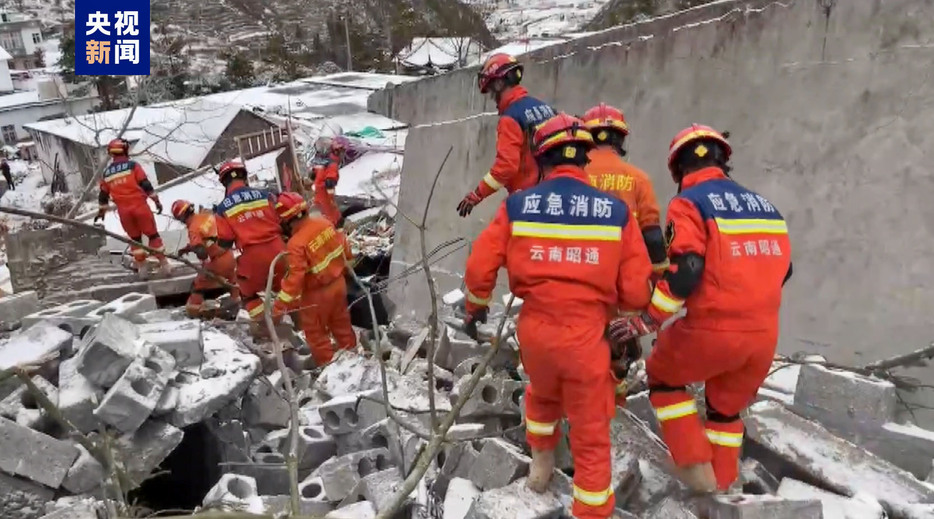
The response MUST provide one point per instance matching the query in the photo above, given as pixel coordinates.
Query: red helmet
(290, 205)
(559, 130)
(182, 209)
(118, 146)
(694, 133)
(605, 117)
(229, 167)
(497, 66)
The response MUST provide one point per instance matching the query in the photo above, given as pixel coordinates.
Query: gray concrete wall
(33, 255)
(832, 118)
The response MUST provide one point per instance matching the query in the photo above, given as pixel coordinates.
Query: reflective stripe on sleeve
(491, 181)
(285, 297)
(477, 300)
(665, 303)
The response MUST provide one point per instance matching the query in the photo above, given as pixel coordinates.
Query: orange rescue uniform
(324, 200)
(125, 182)
(248, 217)
(608, 172)
(514, 167)
(729, 335)
(202, 238)
(315, 283)
(571, 253)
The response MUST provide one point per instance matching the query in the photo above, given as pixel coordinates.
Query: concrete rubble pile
(820, 442)
(124, 367)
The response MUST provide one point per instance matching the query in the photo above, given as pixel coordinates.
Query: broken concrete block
(22, 399)
(142, 451)
(358, 510)
(21, 498)
(108, 349)
(754, 474)
(626, 476)
(456, 461)
(498, 465)
(467, 367)
(378, 488)
(350, 413)
(834, 506)
(763, 507)
(85, 474)
(14, 307)
(512, 392)
(670, 509)
(183, 339)
(168, 400)
(127, 305)
(515, 501)
(418, 345)
(34, 346)
(74, 508)
(33, 455)
(78, 397)
(453, 298)
(263, 403)
(461, 347)
(281, 506)
(235, 492)
(314, 447)
(269, 471)
(233, 370)
(835, 463)
(80, 307)
(460, 495)
(133, 397)
(340, 475)
(486, 399)
(843, 396)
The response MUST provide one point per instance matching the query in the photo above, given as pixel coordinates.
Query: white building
(433, 55)
(6, 80)
(20, 36)
(50, 100)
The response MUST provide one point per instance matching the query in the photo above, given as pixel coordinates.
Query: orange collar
(702, 175)
(510, 96)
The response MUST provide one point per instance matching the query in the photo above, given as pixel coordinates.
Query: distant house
(49, 99)
(20, 36)
(167, 139)
(434, 55)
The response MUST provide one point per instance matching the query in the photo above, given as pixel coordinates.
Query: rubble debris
(133, 397)
(21, 498)
(378, 488)
(21, 406)
(459, 497)
(142, 451)
(314, 447)
(78, 397)
(264, 404)
(836, 463)
(33, 455)
(671, 508)
(498, 464)
(350, 413)
(358, 510)
(14, 307)
(834, 506)
(84, 475)
(350, 373)
(515, 501)
(183, 339)
(754, 475)
(74, 508)
(236, 493)
(76, 308)
(33, 345)
(128, 306)
(108, 349)
(821, 391)
(339, 476)
(757, 507)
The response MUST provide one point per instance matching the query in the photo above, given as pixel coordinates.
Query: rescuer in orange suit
(730, 257)
(314, 281)
(247, 217)
(571, 253)
(216, 255)
(326, 181)
(126, 183)
(609, 173)
(514, 167)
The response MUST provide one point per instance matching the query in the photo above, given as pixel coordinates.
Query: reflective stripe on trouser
(569, 374)
(254, 306)
(726, 440)
(324, 314)
(681, 427)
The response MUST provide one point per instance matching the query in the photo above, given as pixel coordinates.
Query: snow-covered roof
(522, 46)
(4, 55)
(194, 125)
(361, 177)
(439, 52)
(19, 99)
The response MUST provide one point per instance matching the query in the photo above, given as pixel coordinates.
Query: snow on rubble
(829, 446)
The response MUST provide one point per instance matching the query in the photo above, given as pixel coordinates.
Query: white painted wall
(30, 113)
(6, 82)
(27, 33)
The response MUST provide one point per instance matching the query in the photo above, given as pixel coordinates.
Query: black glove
(184, 250)
(330, 183)
(101, 212)
(467, 204)
(470, 323)
(158, 205)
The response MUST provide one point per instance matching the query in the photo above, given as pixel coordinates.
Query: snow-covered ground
(513, 19)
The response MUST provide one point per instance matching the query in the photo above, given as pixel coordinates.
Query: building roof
(439, 52)
(4, 55)
(523, 46)
(180, 133)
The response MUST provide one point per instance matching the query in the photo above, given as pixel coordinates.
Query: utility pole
(347, 40)
(297, 169)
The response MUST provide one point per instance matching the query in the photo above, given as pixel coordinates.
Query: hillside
(617, 12)
(511, 19)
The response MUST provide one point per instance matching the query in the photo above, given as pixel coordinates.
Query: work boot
(699, 478)
(541, 470)
(229, 309)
